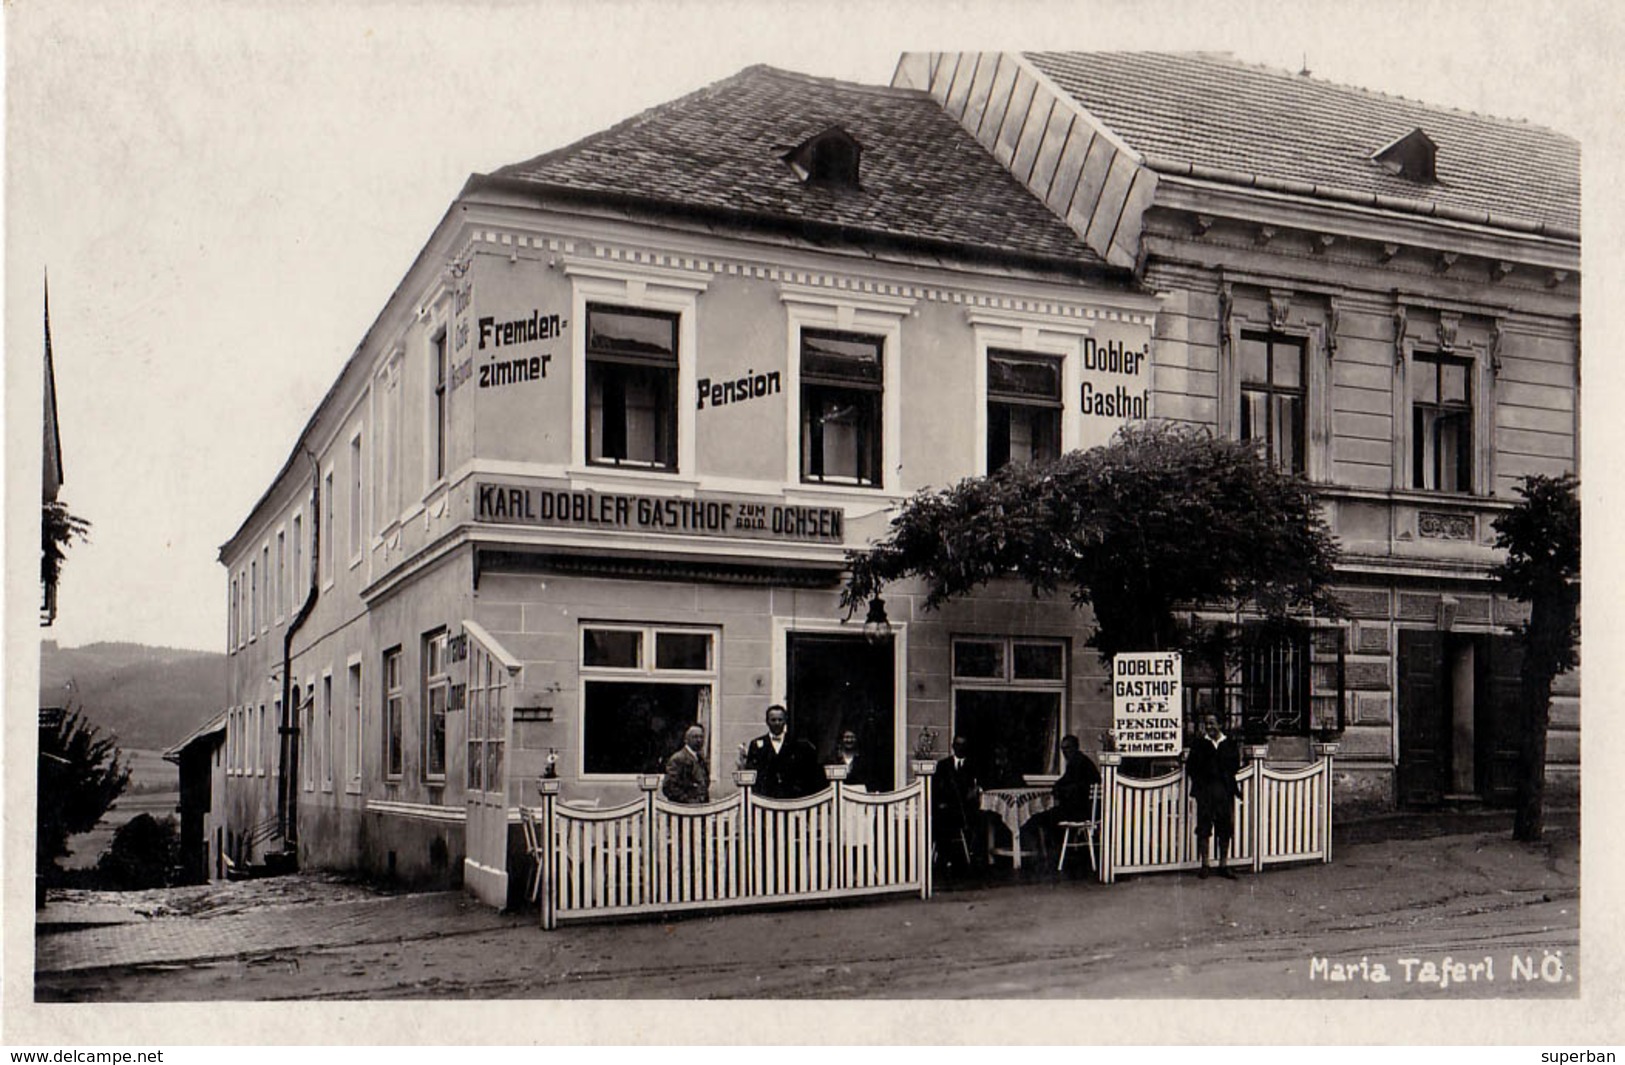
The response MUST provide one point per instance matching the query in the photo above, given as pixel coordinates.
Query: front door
(1424, 719)
(839, 681)
(1458, 717)
(1497, 720)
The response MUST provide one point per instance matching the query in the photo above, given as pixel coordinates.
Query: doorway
(839, 681)
(1458, 717)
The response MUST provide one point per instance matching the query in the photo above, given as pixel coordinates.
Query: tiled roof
(1216, 114)
(722, 149)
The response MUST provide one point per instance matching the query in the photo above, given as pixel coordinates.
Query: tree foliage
(58, 529)
(1541, 536)
(81, 774)
(145, 853)
(1165, 515)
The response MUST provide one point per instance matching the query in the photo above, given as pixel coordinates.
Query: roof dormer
(1412, 156)
(829, 157)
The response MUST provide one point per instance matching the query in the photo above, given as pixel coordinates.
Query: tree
(144, 854)
(80, 776)
(1165, 515)
(1541, 536)
(58, 528)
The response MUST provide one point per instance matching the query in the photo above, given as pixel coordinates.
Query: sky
(225, 197)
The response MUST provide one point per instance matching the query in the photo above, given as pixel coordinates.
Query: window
(327, 732)
(310, 753)
(355, 497)
(829, 158)
(326, 532)
(631, 388)
(1023, 408)
(297, 571)
(1269, 680)
(282, 581)
(1273, 396)
(642, 687)
(1008, 695)
(259, 738)
(253, 598)
(436, 686)
(354, 749)
(487, 720)
(1441, 423)
(441, 423)
(394, 754)
(231, 618)
(265, 577)
(841, 405)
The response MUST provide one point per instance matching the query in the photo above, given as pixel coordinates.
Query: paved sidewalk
(91, 936)
(1456, 884)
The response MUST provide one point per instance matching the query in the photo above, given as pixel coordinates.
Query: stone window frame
(874, 314)
(1028, 334)
(638, 286)
(1436, 332)
(1307, 317)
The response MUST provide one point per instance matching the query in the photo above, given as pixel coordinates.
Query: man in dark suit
(1072, 801)
(688, 778)
(1212, 764)
(956, 810)
(786, 767)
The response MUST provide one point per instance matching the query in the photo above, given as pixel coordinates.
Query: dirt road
(1399, 900)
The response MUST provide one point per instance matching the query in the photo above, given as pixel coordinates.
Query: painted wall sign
(626, 512)
(1103, 394)
(1147, 699)
(538, 326)
(495, 336)
(513, 371)
(751, 386)
(461, 298)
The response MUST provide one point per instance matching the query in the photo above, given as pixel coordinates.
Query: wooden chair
(533, 847)
(1084, 831)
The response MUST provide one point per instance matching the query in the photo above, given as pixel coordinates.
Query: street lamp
(877, 626)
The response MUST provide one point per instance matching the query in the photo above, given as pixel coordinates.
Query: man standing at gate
(786, 767)
(688, 779)
(1212, 765)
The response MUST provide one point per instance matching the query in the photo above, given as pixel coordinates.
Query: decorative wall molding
(1280, 307)
(669, 267)
(1433, 525)
(1400, 318)
(1449, 325)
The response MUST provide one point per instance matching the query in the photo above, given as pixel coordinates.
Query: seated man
(1072, 802)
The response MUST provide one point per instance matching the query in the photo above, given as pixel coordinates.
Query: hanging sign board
(1147, 698)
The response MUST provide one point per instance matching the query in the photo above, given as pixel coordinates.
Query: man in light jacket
(688, 778)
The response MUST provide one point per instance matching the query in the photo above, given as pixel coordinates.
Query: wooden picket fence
(1283, 815)
(654, 856)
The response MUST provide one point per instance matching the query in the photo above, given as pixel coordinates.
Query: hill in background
(148, 697)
